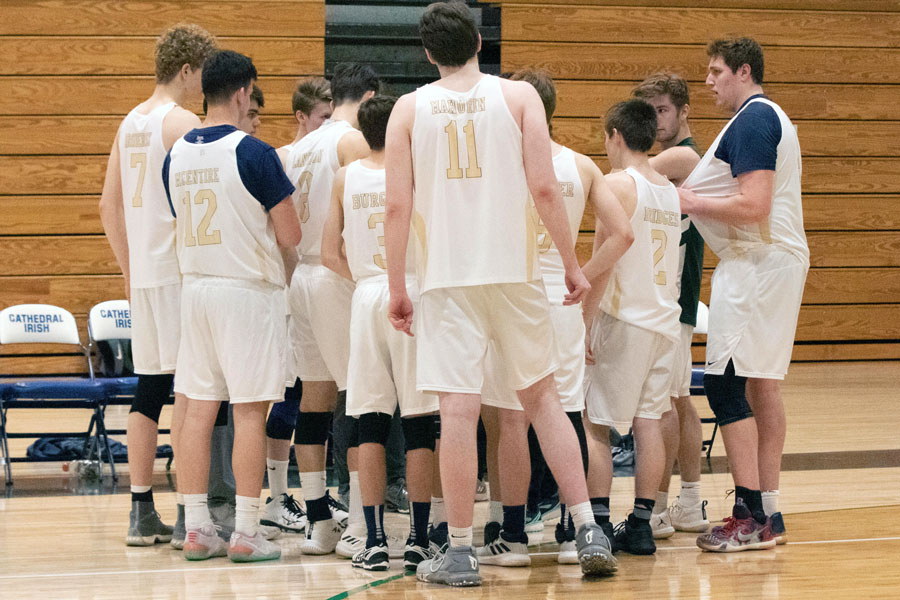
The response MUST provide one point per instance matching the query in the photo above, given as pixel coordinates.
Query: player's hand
(588, 353)
(578, 287)
(688, 201)
(400, 313)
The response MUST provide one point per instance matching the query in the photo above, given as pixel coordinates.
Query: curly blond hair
(183, 44)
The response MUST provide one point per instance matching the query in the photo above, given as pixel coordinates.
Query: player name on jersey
(662, 217)
(454, 107)
(367, 199)
(197, 176)
(308, 158)
(138, 140)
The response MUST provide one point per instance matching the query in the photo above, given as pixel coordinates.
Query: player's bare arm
(282, 156)
(751, 204)
(618, 232)
(286, 224)
(398, 208)
(112, 214)
(352, 147)
(333, 255)
(177, 123)
(675, 163)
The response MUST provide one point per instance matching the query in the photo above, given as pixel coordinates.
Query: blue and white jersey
(221, 184)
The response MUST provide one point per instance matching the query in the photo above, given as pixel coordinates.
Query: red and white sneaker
(204, 543)
(739, 532)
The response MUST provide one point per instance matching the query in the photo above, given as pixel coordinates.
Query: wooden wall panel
(822, 5)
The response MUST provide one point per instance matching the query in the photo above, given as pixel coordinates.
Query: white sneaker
(284, 513)
(339, 512)
(504, 553)
(661, 526)
(353, 541)
(568, 553)
(204, 543)
(269, 532)
(688, 518)
(244, 548)
(534, 528)
(322, 537)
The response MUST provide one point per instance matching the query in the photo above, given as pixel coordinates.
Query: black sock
(643, 508)
(318, 510)
(600, 506)
(374, 524)
(419, 522)
(142, 496)
(753, 500)
(514, 522)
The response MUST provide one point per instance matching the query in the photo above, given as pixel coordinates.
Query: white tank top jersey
(222, 230)
(783, 228)
(364, 223)
(311, 165)
(642, 290)
(148, 220)
(572, 190)
(472, 216)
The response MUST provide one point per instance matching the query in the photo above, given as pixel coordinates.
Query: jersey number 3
(472, 168)
(204, 237)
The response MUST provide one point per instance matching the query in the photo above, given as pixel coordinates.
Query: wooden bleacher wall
(833, 65)
(71, 71)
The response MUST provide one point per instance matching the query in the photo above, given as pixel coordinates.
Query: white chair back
(37, 324)
(110, 320)
(702, 319)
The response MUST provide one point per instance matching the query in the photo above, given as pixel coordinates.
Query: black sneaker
(610, 535)
(413, 554)
(438, 537)
(374, 558)
(491, 532)
(635, 538)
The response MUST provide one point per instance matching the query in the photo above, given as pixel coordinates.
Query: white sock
(196, 511)
(582, 514)
(496, 511)
(140, 489)
(690, 493)
(313, 484)
(460, 536)
(276, 471)
(438, 515)
(662, 503)
(179, 498)
(356, 511)
(770, 502)
(246, 515)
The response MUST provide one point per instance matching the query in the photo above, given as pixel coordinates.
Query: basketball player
(744, 197)
(635, 332)
(580, 180)
(481, 145)
(311, 103)
(668, 94)
(382, 371)
(231, 201)
(320, 299)
(140, 231)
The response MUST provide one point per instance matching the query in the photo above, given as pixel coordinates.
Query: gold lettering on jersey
(138, 140)
(197, 177)
(662, 217)
(567, 189)
(452, 107)
(368, 199)
(308, 158)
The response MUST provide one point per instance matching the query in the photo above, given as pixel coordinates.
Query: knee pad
(727, 396)
(578, 424)
(418, 433)
(374, 428)
(152, 393)
(222, 415)
(313, 428)
(353, 435)
(283, 416)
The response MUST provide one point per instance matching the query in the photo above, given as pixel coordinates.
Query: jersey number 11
(472, 168)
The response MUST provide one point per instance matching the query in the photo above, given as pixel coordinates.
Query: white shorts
(382, 371)
(631, 374)
(234, 340)
(320, 323)
(568, 329)
(155, 328)
(682, 364)
(456, 325)
(753, 312)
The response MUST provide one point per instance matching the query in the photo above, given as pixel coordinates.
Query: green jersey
(691, 248)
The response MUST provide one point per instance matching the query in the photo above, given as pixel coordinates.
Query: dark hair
(183, 44)
(351, 81)
(737, 52)
(661, 84)
(449, 33)
(257, 96)
(225, 73)
(635, 120)
(543, 83)
(310, 92)
(373, 118)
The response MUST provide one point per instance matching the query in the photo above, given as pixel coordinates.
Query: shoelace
(334, 503)
(620, 528)
(293, 507)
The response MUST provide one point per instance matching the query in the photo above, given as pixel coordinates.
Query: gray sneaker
(223, 518)
(595, 551)
(179, 532)
(145, 527)
(456, 567)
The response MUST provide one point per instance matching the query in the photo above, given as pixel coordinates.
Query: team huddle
(418, 254)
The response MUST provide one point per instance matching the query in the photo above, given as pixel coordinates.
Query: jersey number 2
(204, 237)
(472, 168)
(658, 235)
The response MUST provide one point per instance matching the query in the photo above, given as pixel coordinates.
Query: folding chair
(47, 324)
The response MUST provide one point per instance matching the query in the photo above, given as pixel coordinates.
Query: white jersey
(311, 165)
(572, 190)
(784, 226)
(472, 215)
(364, 222)
(222, 230)
(642, 290)
(148, 221)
